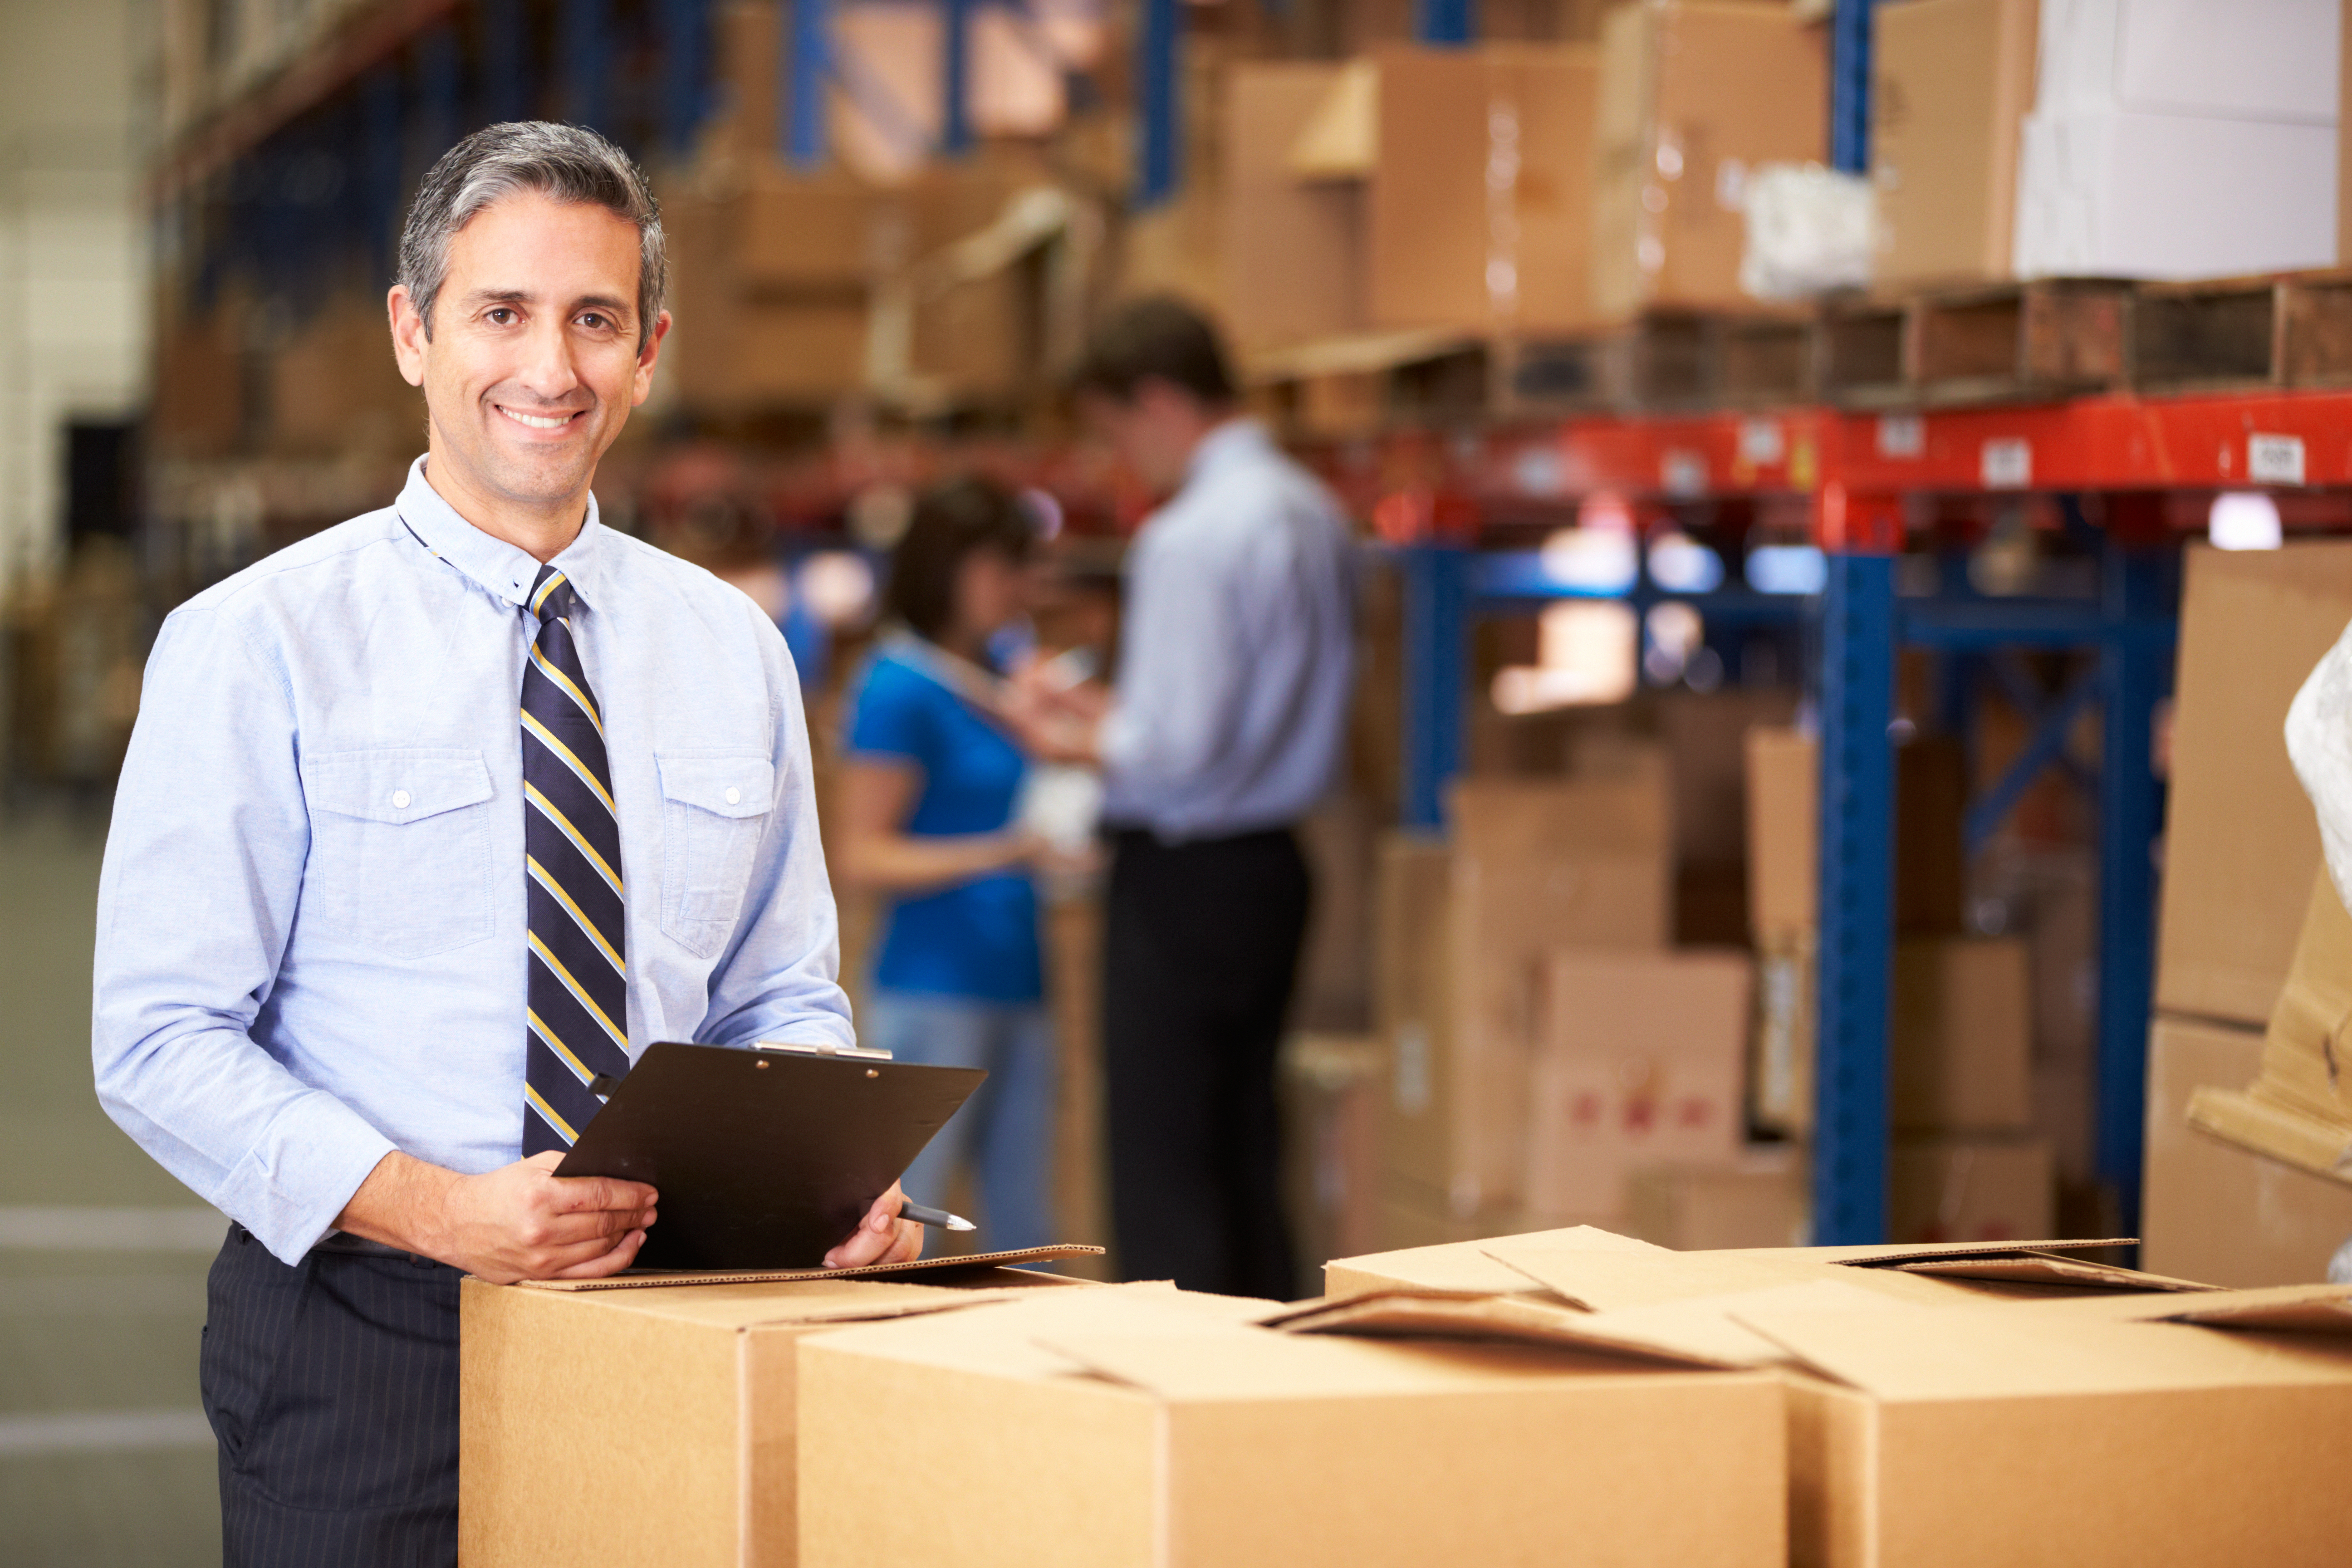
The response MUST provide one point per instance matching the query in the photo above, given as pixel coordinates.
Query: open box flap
(1707, 1328)
(1012, 1338)
(1610, 1281)
(1466, 1265)
(2047, 1268)
(1884, 1254)
(1978, 1353)
(1463, 1315)
(2277, 1309)
(649, 1279)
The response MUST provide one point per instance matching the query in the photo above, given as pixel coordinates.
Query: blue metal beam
(380, 114)
(1436, 644)
(804, 70)
(955, 58)
(2133, 678)
(1850, 85)
(684, 72)
(1160, 101)
(438, 109)
(2052, 728)
(1857, 900)
(584, 44)
(1446, 23)
(505, 94)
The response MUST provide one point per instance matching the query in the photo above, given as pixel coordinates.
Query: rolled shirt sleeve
(197, 898)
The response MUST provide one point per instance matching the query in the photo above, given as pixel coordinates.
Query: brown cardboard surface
(1991, 1189)
(676, 1446)
(1760, 1201)
(1708, 741)
(1121, 1433)
(1951, 82)
(1962, 1046)
(2210, 1211)
(1692, 96)
(1784, 796)
(1640, 1066)
(2200, 1444)
(1462, 1265)
(1410, 1216)
(1289, 250)
(1781, 1056)
(2310, 1033)
(2343, 140)
(1457, 234)
(2241, 844)
(2251, 1122)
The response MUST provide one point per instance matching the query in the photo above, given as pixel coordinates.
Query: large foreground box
(1107, 1430)
(636, 1423)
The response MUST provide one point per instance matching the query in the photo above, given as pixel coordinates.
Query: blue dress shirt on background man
(311, 934)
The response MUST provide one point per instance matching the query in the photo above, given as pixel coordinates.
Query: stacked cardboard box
(1945, 1404)
(1966, 1164)
(2242, 881)
(1951, 83)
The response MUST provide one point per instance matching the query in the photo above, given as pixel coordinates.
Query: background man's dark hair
(1156, 339)
(950, 521)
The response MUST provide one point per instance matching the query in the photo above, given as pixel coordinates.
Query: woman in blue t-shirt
(928, 800)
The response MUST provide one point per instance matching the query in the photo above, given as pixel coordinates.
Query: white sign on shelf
(1902, 436)
(2274, 460)
(1683, 474)
(1760, 443)
(2006, 464)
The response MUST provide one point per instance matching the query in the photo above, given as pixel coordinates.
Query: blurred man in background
(1225, 728)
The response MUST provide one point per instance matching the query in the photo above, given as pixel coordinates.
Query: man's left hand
(881, 1236)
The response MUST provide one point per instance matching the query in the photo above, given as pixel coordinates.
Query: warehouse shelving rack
(2126, 471)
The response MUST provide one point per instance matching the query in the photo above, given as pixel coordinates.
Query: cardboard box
(1291, 251)
(1962, 1043)
(2241, 844)
(1410, 1216)
(1937, 1443)
(654, 1422)
(2212, 1212)
(1331, 1087)
(1784, 855)
(1465, 1263)
(1951, 83)
(1707, 738)
(1464, 931)
(1692, 96)
(1758, 1201)
(1969, 1189)
(1640, 1066)
(1478, 210)
(1118, 1430)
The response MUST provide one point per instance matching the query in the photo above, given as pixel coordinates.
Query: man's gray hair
(566, 162)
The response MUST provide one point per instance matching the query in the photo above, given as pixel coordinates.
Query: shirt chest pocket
(714, 810)
(400, 862)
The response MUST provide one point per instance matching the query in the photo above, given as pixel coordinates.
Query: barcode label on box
(2006, 464)
(1902, 436)
(2274, 460)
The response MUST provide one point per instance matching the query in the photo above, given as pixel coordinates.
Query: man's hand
(518, 1221)
(1056, 724)
(881, 1236)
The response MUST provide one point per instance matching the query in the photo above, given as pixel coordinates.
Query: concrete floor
(104, 1455)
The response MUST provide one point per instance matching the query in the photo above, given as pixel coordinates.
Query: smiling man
(428, 821)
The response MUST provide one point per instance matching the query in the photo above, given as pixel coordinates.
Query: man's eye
(500, 315)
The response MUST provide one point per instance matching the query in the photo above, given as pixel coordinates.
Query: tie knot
(551, 594)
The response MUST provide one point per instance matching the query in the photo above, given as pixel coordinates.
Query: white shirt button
(734, 796)
(400, 800)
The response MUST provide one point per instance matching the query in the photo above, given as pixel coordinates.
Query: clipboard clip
(799, 1049)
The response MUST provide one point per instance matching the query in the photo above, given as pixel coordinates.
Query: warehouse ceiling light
(2244, 520)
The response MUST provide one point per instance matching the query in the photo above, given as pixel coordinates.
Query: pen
(923, 1214)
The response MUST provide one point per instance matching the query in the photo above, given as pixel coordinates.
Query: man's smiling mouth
(537, 421)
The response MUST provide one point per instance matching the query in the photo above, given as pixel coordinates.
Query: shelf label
(1683, 474)
(1902, 436)
(2006, 464)
(1760, 444)
(2274, 460)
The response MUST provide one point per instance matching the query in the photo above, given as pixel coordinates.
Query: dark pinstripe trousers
(332, 1388)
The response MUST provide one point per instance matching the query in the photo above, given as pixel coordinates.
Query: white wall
(73, 251)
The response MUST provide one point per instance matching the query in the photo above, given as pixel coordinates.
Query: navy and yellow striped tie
(578, 992)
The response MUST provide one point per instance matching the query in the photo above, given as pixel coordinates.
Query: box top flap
(1884, 1254)
(1466, 1265)
(2016, 1351)
(660, 1279)
(2278, 1309)
(1342, 140)
(1608, 1281)
(1470, 1315)
(1012, 1338)
(2049, 1269)
(1707, 1328)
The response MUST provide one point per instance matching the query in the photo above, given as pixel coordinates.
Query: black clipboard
(763, 1158)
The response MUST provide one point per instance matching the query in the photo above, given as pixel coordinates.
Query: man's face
(533, 364)
(1154, 431)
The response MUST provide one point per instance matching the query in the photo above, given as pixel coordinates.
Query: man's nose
(547, 368)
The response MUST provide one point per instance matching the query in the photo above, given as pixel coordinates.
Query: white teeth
(535, 421)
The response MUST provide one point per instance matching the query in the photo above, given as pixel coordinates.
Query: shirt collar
(1232, 441)
(505, 571)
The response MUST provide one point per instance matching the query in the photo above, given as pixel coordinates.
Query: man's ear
(646, 355)
(409, 334)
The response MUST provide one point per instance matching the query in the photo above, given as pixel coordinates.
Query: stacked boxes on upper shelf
(2244, 887)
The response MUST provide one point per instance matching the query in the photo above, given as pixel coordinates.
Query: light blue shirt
(311, 927)
(1236, 649)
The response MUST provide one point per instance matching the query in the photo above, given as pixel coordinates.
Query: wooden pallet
(2006, 343)
(1337, 388)
(1664, 362)
(2294, 330)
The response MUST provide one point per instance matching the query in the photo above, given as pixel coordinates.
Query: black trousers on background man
(332, 1388)
(1200, 946)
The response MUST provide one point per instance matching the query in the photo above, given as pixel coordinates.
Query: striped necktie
(577, 990)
